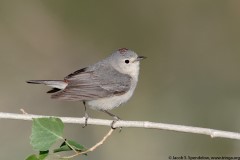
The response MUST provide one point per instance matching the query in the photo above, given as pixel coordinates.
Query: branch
(93, 147)
(138, 124)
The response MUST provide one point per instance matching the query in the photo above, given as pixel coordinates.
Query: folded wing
(94, 83)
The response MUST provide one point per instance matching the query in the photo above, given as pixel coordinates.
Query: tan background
(191, 76)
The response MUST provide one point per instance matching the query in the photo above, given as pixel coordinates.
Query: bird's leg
(85, 114)
(116, 118)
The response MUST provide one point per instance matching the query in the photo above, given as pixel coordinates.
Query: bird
(102, 86)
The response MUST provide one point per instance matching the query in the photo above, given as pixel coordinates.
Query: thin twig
(76, 152)
(139, 124)
(93, 147)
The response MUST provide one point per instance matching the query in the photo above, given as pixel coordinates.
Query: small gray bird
(102, 86)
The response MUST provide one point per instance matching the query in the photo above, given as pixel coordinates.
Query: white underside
(110, 103)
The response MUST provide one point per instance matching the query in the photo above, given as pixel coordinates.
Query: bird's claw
(86, 120)
(116, 118)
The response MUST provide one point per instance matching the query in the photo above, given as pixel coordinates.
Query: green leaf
(32, 157)
(45, 132)
(43, 155)
(65, 146)
(37, 157)
(43, 152)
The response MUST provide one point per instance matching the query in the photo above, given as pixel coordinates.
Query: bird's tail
(55, 84)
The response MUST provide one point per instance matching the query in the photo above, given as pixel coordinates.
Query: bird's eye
(126, 61)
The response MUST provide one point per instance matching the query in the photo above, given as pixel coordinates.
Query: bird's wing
(91, 84)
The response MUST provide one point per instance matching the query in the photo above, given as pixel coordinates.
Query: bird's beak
(139, 58)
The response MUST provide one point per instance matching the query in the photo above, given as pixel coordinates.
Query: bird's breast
(112, 102)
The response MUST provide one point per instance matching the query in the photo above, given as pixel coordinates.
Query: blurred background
(191, 75)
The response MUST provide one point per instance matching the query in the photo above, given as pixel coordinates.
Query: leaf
(37, 157)
(45, 132)
(43, 152)
(32, 157)
(43, 155)
(65, 146)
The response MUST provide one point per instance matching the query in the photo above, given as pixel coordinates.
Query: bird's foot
(86, 120)
(116, 118)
